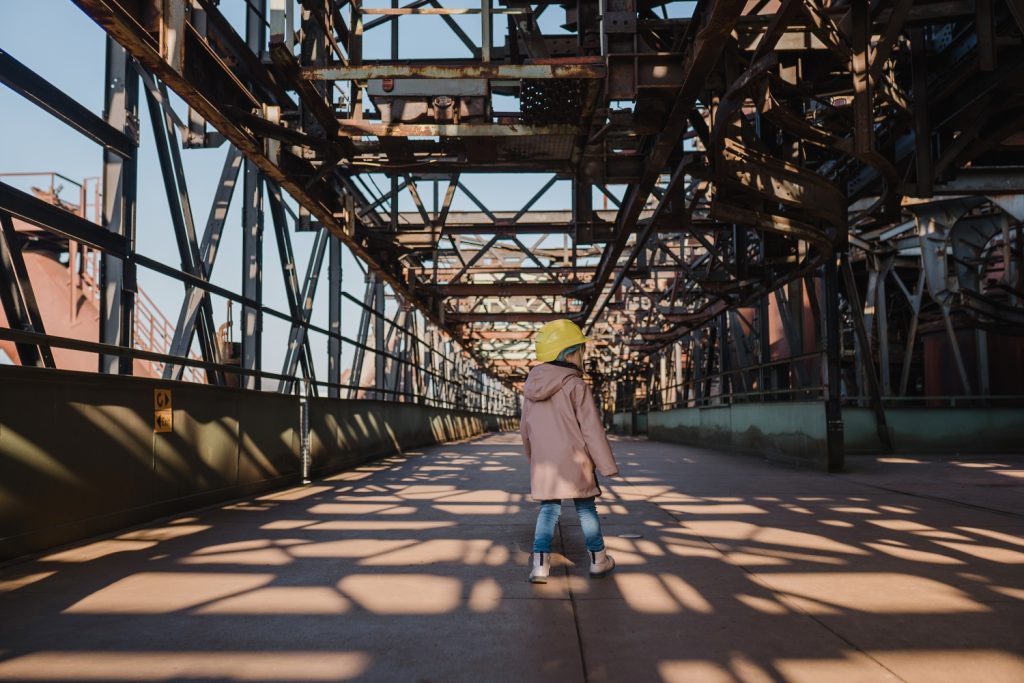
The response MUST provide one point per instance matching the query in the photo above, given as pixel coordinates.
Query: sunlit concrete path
(413, 569)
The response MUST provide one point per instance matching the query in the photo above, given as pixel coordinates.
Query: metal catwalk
(414, 568)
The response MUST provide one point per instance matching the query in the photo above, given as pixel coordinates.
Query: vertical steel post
(196, 135)
(725, 384)
(662, 380)
(867, 359)
(362, 337)
(677, 349)
(407, 370)
(764, 376)
(833, 407)
(355, 56)
(380, 343)
(796, 325)
(304, 450)
(486, 28)
(863, 109)
(334, 325)
(981, 348)
(252, 225)
(252, 274)
(922, 125)
(394, 177)
(117, 277)
(882, 313)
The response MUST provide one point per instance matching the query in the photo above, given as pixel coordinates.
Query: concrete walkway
(413, 569)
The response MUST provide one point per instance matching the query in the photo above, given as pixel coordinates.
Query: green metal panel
(796, 432)
(79, 455)
(269, 438)
(786, 432)
(937, 430)
(344, 433)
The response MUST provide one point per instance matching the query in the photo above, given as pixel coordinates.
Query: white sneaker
(541, 568)
(601, 563)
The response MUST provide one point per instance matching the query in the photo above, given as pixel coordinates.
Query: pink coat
(562, 435)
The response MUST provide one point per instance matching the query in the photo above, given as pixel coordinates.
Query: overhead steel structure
(809, 198)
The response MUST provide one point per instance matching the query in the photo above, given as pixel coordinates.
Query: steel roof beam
(502, 289)
(571, 68)
(714, 21)
(220, 88)
(51, 99)
(508, 317)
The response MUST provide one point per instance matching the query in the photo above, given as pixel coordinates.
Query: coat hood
(546, 379)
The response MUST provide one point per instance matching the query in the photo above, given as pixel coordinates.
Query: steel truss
(803, 199)
(417, 362)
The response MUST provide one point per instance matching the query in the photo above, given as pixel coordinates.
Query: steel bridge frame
(810, 187)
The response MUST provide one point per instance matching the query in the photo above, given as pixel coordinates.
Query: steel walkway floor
(413, 569)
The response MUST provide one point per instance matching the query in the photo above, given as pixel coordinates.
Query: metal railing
(300, 387)
(152, 330)
(796, 378)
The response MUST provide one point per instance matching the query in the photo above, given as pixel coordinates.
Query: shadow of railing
(413, 567)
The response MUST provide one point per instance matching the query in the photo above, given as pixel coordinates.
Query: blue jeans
(548, 517)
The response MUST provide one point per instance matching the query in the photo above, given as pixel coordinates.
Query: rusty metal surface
(747, 148)
(582, 68)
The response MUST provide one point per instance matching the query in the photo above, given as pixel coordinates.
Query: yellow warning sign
(161, 399)
(163, 415)
(163, 420)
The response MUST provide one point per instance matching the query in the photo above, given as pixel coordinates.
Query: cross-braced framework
(801, 198)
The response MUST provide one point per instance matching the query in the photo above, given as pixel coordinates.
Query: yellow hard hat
(557, 336)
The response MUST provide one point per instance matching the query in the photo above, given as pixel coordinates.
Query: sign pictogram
(163, 415)
(161, 399)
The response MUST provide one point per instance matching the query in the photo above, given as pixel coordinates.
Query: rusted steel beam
(863, 100)
(503, 289)
(673, 193)
(56, 219)
(512, 362)
(713, 22)
(984, 181)
(782, 182)
(506, 335)
(311, 98)
(511, 317)
(402, 11)
(360, 127)
(446, 273)
(504, 218)
(824, 27)
(127, 30)
(923, 162)
(48, 97)
(569, 68)
(901, 9)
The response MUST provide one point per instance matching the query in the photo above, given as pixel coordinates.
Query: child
(564, 442)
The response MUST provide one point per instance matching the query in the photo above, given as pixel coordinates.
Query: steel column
(833, 396)
(120, 177)
(252, 223)
(380, 343)
(334, 344)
